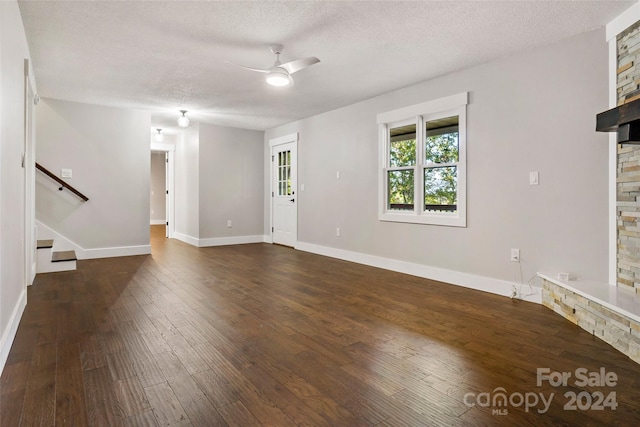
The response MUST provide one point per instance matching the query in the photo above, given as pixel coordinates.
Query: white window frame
(454, 105)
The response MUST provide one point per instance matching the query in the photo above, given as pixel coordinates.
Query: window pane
(441, 141)
(284, 173)
(402, 146)
(441, 189)
(288, 180)
(400, 190)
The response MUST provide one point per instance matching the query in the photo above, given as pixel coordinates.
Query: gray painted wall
(187, 196)
(231, 173)
(108, 152)
(529, 112)
(219, 178)
(158, 187)
(13, 51)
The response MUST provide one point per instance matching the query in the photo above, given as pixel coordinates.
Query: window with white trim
(423, 163)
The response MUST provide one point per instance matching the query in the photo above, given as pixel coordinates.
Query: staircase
(49, 261)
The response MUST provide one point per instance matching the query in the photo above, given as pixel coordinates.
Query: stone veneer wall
(628, 169)
(613, 328)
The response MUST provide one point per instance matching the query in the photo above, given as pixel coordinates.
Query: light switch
(66, 173)
(533, 178)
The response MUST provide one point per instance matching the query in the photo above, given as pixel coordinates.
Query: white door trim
(170, 149)
(29, 159)
(291, 138)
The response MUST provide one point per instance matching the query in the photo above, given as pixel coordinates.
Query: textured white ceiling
(169, 55)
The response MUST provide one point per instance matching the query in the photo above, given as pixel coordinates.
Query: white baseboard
(115, 252)
(218, 241)
(467, 280)
(61, 243)
(158, 221)
(235, 240)
(186, 238)
(10, 333)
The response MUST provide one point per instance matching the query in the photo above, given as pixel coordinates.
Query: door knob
(292, 200)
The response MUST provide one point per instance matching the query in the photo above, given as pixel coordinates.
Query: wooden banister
(61, 182)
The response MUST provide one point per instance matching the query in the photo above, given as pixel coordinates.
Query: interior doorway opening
(162, 187)
(158, 187)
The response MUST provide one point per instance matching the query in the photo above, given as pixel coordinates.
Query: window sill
(444, 218)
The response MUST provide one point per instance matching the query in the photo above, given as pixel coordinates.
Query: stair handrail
(61, 182)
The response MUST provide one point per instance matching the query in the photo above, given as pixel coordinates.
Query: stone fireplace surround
(611, 313)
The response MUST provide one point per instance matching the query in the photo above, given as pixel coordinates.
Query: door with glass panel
(285, 216)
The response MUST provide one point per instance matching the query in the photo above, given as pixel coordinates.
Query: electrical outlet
(229, 224)
(515, 255)
(338, 232)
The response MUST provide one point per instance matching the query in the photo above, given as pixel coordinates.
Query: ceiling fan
(280, 74)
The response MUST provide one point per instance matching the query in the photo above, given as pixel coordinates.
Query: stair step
(44, 244)
(63, 256)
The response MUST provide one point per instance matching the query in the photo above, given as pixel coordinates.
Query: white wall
(529, 112)
(231, 173)
(108, 152)
(187, 185)
(219, 174)
(13, 52)
(158, 184)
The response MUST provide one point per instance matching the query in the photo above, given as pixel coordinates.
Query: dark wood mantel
(624, 120)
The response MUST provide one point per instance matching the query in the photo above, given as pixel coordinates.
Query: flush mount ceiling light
(159, 136)
(278, 77)
(183, 121)
(280, 74)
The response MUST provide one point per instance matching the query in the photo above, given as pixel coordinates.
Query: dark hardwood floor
(265, 335)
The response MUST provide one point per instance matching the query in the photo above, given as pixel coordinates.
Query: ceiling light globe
(159, 136)
(183, 121)
(278, 77)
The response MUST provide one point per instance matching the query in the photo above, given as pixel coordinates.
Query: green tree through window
(440, 182)
(401, 173)
(401, 182)
(402, 153)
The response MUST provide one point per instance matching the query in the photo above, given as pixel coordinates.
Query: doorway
(158, 186)
(284, 179)
(162, 184)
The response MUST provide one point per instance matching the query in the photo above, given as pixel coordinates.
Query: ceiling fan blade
(299, 64)
(248, 68)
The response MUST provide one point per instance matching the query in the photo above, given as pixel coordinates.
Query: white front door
(284, 219)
